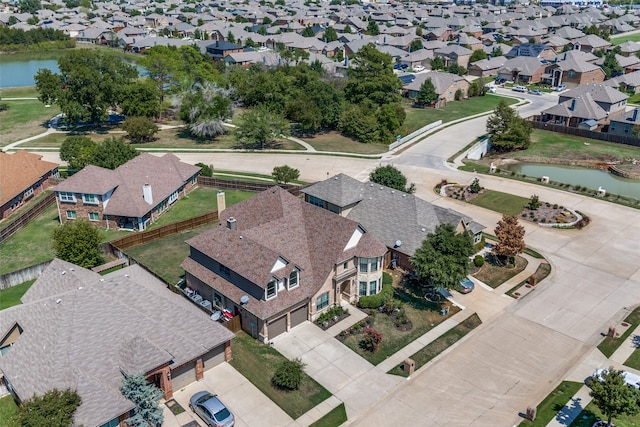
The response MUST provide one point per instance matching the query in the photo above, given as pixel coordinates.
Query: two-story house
(276, 261)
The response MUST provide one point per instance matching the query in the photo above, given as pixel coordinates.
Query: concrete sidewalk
(627, 348)
(572, 409)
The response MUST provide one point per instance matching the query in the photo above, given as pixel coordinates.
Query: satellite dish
(244, 299)
(216, 316)
(398, 243)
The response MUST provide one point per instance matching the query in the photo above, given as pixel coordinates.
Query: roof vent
(404, 195)
(79, 287)
(71, 269)
(63, 273)
(244, 299)
(102, 280)
(232, 224)
(382, 188)
(423, 229)
(393, 191)
(126, 275)
(398, 244)
(335, 177)
(58, 301)
(371, 185)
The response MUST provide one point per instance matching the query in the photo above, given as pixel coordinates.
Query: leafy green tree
(534, 202)
(454, 68)
(89, 84)
(391, 177)
(475, 187)
(613, 396)
(372, 78)
(510, 236)
(205, 170)
(419, 31)
(507, 130)
(415, 45)
(289, 374)
(497, 51)
(348, 29)
(427, 93)
(372, 28)
(55, 408)
(330, 35)
(140, 129)
(390, 117)
(146, 397)
(162, 65)
(308, 32)
(78, 242)
(113, 152)
(477, 55)
(29, 6)
(303, 111)
(260, 127)
(142, 99)
(13, 20)
(443, 258)
(78, 151)
(610, 65)
(360, 123)
(285, 174)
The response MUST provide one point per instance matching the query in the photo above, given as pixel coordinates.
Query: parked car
(500, 81)
(418, 68)
(491, 89)
(401, 67)
(519, 88)
(560, 88)
(535, 92)
(467, 285)
(630, 379)
(211, 410)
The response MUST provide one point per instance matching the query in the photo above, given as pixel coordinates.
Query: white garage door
(183, 375)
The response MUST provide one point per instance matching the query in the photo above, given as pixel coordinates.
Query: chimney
(222, 201)
(635, 115)
(232, 224)
(564, 57)
(146, 194)
(573, 105)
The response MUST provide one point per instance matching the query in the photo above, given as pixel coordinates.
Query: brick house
(445, 84)
(79, 330)
(522, 69)
(573, 72)
(23, 175)
(276, 261)
(220, 49)
(611, 100)
(131, 196)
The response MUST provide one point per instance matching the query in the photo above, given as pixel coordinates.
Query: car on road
(491, 89)
(535, 92)
(560, 88)
(418, 68)
(467, 285)
(211, 410)
(519, 88)
(630, 379)
(500, 81)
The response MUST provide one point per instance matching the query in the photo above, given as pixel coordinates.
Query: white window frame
(173, 197)
(318, 300)
(28, 192)
(294, 279)
(97, 214)
(74, 215)
(90, 199)
(65, 196)
(273, 283)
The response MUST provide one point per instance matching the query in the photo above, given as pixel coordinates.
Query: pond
(590, 178)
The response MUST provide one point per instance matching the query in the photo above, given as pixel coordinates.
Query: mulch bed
(332, 322)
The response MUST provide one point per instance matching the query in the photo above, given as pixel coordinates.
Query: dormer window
(272, 289)
(293, 279)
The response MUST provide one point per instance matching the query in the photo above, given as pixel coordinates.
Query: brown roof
(19, 171)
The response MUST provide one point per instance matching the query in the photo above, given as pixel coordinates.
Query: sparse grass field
(440, 344)
(494, 275)
(23, 119)
(257, 362)
(11, 296)
(591, 414)
(8, 408)
(334, 418)
(498, 201)
(609, 345)
(333, 141)
(554, 402)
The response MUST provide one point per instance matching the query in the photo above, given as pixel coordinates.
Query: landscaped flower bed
(333, 315)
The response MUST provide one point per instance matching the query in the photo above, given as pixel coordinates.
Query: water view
(590, 178)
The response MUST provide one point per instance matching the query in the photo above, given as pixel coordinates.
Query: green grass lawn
(553, 403)
(498, 201)
(333, 141)
(591, 414)
(23, 119)
(334, 418)
(11, 296)
(8, 408)
(257, 362)
(440, 344)
(494, 275)
(609, 345)
(629, 37)
(423, 314)
(634, 99)
(19, 92)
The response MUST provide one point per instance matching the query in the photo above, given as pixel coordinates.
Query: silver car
(211, 409)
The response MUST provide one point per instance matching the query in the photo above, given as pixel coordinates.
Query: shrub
(288, 375)
(378, 300)
(555, 206)
(4, 106)
(386, 279)
(478, 261)
(371, 340)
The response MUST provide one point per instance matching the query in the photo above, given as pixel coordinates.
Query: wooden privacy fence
(585, 133)
(139, 238)
(23, 219)
(232, 184)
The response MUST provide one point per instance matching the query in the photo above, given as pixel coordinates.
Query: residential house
(446, 86)
(569, 33)
(486, 67)
(23, 175)
(629, 48)
(574, 69)
(79, 330)
(590, 43)
(556, 43)
(575, 112)
(626, 82)
(220, 49)
(454, 54)
(624, 123)
(277, 261)
(531, 50)
(131, 196)
(442, 34)
(522, 69)
(629, 64)
(402, 225)
(609, 99)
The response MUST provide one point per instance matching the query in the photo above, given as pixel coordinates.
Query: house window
(322, 301)
(613, 125)
(293, 279)
(316, 201)
(28, 192)
(67, 197)
(374, 264)
(94, 216)
(217, 299)
(90, 199)
(193, 180)
(345, 265)
(379, 284)
(571, 73)
(362, 289)
(364, 265)
(373, 285)
(627, 128)
(173, 197)
(71, 214)
(224, 269)
(272, 289)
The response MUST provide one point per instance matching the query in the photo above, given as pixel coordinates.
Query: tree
(507, 130)
(29, 6)
(308, 32)
(443, 258)
(53, 409)
(289, 374)
(475, 187)
(89, 84)
(259, 128)
(610, 65)
(285, 174)
(113, 152)
(437, 63)
(145, 396)
(534, 202)
(348, 29)
(419, 31)
(415, 45)
(79, 243)
(142, 99)
(140, 129)
(497, 51)
(204, 109)
(477, 55)
(78, 151)
(427, 94)
(510, 236)
(391, 177)
(372, 78)
(372, 28)
(330, 35)
(613, 396)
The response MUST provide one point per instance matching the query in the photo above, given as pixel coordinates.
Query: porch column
(199, 369)
(165, 383)
(227, 351)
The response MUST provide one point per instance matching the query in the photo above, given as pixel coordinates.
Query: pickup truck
(629, 379)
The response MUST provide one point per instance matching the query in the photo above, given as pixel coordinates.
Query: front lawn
(11, 296)
(8, 408)
(440, 344)
(334, 418)
(609, 345)
(23, 119)
(495, 275)
(257, 362)
(591, 414)
(498, 201)
(553, 403)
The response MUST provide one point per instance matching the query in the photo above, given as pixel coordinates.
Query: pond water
(590, 178)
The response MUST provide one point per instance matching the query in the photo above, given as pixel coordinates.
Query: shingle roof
(19, 171)
(598, 92)
(584, 108)
(80, 330)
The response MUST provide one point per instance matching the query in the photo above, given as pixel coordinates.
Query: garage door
(183, 375)
(299, 315)
(277, 327)
(213, 357)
